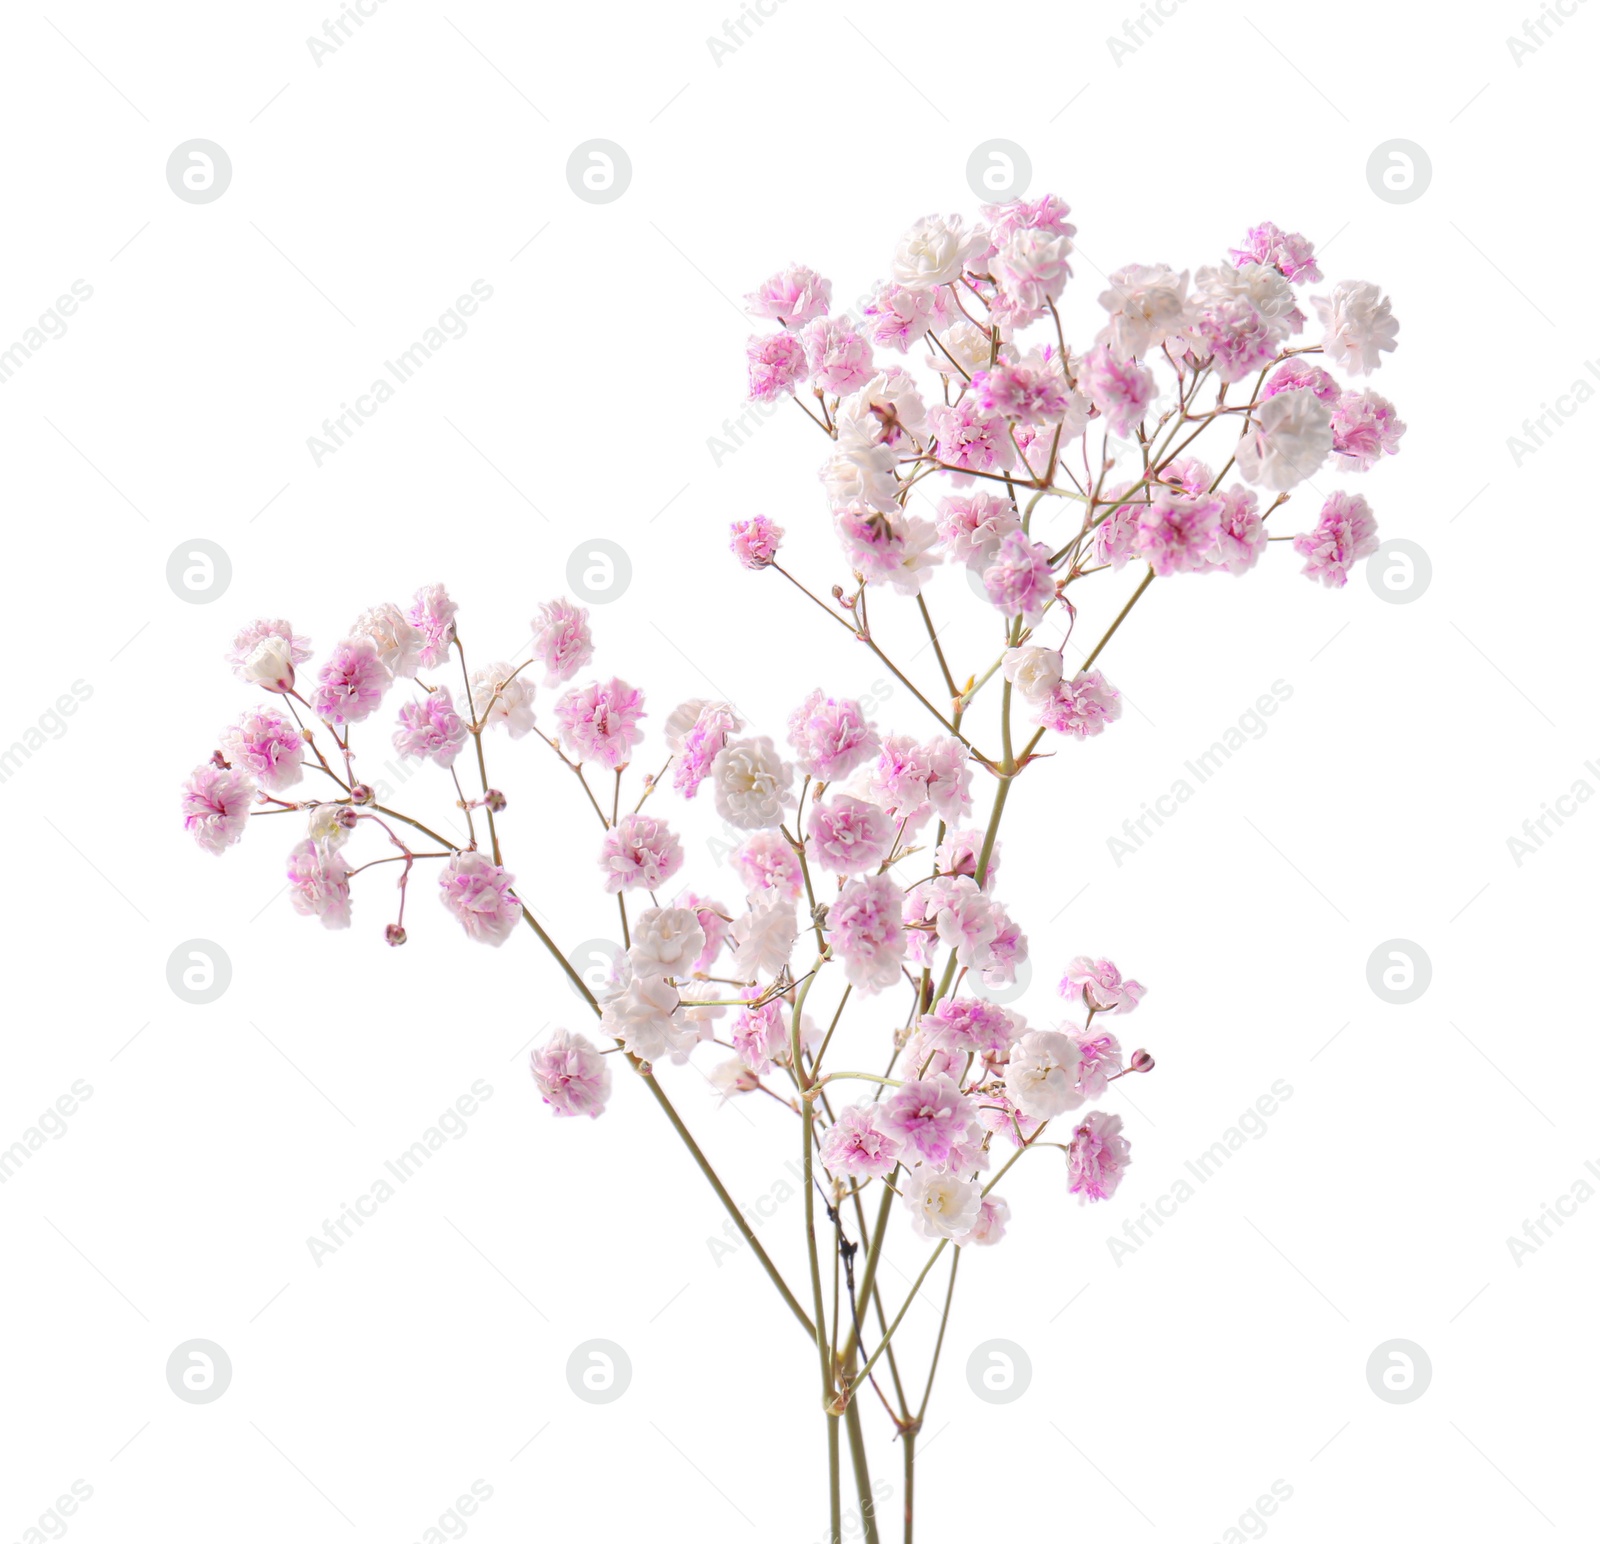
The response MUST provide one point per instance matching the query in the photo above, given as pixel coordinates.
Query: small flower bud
(1141, 1061)
(347, 818)
(360, 793)
(494, 801)
(394, 935)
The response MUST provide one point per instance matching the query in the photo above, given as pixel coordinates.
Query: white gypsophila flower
(1146, 306)
(667, 940)
(883, 412)
(860, 473)
(764, 937)
(698, 1004)
(750, 782)
(498, 699)
(1289, 439)
(1042, 1074)
(1358, 327)
(270, 663)
(966, 344)
(918, 558)
(1261, 285)
(640, 1015)
(993, 1215)
(941, 1205)
(1033, 671)
(324, 829)
(935, 251)
(398, 643)
(1031, 269)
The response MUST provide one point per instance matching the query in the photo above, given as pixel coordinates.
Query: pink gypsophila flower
(1100, 1060)
(958, 854)
(888, 547)
(949, 765)
(1287, 251)
(755, 541)
(1081, 707)
(968, 1026)
(971, 440)
(1299, 375)
(899, 316)
(971, 526)
(1097, 1155)
(267, 746)
(571, 1074)
(1241, 532)
(477, 891)
(1358, 326)
(433, 614)
(831, 737)
(352, 683)
(847, 835)
(266, 652)
(1099, 985)
(930, 1116)
(838, 358)
(319, 880)
(600, 722)
(1346, 533)
(1120, 390)
(1032, 390)
(864, 928)
(1175, 534)
(1365, 429)
(777, 363)
(792, 298)
(702, 740)
(994, 1212)
(431, 729)
(639, 853)
(1019, 580)
(856, 1145)
(760, 1036)
(216, 805)
(561, 640)
(766, 861)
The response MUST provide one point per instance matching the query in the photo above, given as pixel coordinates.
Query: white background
(1230, 1350)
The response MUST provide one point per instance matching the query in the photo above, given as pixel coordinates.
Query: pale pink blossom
(1241, 531)
(838, 358)
(1030, 270)
(763, 937)
(886, 410)
(957, 856)
(398, 643)
(319, 883)
(897, 781)
(1145, 306)
(846, 835)
(998, 1114)
(216, 805)
(934, 251)
(1097, 1155)
(695, 750)
(640, 1011)
(831, 736)
(1345, 533)
(477, 891)
(1287, 440)
(1019, 580)
(1046, 213)
(898, 316)
(1007, 950)
(1081, 707)
(890, 547)
(639, 853)
(971, 440)
(714, 923)
(1100, 986)
(1115, 533)
(971, 525)
(666, 941)
(1033, 672)
(1119, 389)
(856, 1145)
(949, 777)
(433, 614)
(266, 746)
(1031, 390)
(1099, 1060)
(968, 1026)
(777, 363)
(600, 722)
(1287, 251)
(1298, 375)
(755, 541)
(860, 475)
(266, 652)
(993, 1215)
(351, 684)
(760, 1036)
(561, 640)
(766, 861)
(430, 728)
(571, 1074)
(1365, 429)
(792, 297)
(864, 929)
